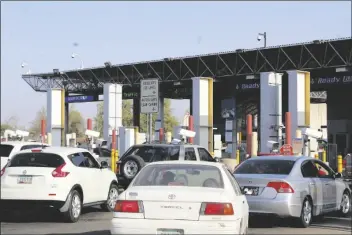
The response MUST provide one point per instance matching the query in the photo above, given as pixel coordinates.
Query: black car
(138, 156)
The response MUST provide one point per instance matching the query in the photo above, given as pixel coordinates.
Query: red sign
(286, 149)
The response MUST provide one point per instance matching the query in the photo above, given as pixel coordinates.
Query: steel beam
(304, 56)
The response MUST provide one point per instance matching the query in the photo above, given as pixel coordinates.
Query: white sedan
(65, 179)
(181, 197)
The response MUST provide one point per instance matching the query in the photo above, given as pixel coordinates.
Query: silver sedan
(292, 186)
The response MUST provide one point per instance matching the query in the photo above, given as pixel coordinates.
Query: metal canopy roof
(319, 54)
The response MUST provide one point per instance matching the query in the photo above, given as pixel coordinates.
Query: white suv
(10, 148)
(66, 179)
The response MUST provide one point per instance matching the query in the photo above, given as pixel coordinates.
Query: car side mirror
(104, 164)
(337, 175)
(217, 159)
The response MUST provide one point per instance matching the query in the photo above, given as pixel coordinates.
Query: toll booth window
(5, 150)
(323, 171)
(77, 159)
(31, 146)
(272, 167)
(174, 153)
(204, 155)
(309, 170)
(145, 152)
(190, 154)
(36, 160)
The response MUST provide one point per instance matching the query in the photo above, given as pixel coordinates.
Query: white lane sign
(149, 96)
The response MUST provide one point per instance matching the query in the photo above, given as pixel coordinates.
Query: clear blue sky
(43, 33)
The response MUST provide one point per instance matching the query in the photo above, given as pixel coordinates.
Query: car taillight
(213, 208)
(3, 170)
(126, 206)
(281, 187)
(344, 163)
(58, 173)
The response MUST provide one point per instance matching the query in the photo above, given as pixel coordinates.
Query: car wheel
(306, 214)
(345, 204)
(75, 207)
(131, 166)
(113, 194)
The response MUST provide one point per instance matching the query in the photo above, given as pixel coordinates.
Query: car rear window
(276, 167)
(180, 175)
(155, 153)
(36, 160)
(5, 150)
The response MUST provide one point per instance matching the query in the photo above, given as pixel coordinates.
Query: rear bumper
(284, 205)
(149, 226)
(8, 204)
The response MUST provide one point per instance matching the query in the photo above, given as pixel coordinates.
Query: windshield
(180, 175)
(5, 150)
(154, 153)
(276, 167)
(36, 160)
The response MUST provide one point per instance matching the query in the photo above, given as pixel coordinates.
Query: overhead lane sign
(149, 96)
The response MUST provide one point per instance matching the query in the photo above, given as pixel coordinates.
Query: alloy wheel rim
(131, 168)
(76, 206)
(345, 203)
(113, 195)
(307, 212)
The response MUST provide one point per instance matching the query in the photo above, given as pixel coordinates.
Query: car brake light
(213, 208)
(36, 150)
(281, 187)
(3, 170)
(58, 173)
(129, 206)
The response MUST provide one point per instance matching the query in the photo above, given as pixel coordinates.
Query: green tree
(9, 124)
(170, 121)
(35, 125)
(75, 122)
(127, 114)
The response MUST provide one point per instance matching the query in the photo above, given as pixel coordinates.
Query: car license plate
(24, 180)
(162, 231)
(253, 191)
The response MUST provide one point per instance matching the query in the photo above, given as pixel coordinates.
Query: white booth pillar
(298, 100)
(112, 110)
(270, 109)
(126, 139)
(54, 121)
(202, 111)
(159, 122)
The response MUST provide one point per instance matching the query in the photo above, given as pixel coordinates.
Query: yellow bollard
(324, 156)
(238, 157)
(339, 164)
(113, 164)
(316, 156)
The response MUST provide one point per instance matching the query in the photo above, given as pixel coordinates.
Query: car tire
(131, 165)
(306, 216)
(113, 193)
(345, 207)
(74, 208)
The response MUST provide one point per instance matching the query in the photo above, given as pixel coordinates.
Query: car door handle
(327, 184)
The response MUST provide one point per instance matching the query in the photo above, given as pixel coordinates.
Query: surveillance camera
(273, 145)
(73, 56)
(259, 38)
(313, 133)
(22, 65)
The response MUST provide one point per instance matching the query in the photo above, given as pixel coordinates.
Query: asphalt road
(93, 221)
